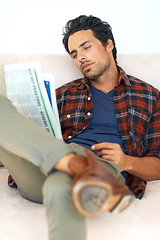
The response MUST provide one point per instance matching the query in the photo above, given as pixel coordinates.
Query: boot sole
(93, 197)
(122, 204)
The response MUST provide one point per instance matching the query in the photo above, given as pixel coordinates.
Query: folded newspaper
(33, 94)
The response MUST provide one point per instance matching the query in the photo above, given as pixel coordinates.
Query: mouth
(86, 66)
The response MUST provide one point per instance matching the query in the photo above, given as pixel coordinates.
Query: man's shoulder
(140, 84)
(135, 83)
(69, 85)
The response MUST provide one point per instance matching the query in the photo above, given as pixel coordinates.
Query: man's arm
(147, 168)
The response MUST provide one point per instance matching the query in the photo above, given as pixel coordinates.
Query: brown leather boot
(96, 188)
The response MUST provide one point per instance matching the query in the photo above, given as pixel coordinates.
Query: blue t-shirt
(103, 126)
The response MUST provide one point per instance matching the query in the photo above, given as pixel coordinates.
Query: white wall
(35, 26)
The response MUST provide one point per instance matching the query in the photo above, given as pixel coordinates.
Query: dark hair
(101, 30)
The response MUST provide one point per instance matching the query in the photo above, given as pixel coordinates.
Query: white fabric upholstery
(21, 219)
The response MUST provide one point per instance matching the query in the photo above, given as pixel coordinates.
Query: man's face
(90, 56)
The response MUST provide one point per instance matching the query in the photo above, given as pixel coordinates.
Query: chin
(92, 77)
(89, 75)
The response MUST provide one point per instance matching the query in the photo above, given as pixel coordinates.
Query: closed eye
(74, 56)
(87, 47)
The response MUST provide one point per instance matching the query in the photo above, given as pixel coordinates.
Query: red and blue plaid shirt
(137, 108)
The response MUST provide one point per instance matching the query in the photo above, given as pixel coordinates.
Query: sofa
(21, 219)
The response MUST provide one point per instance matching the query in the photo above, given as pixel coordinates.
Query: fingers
(104, 145)
(106, 150)
(109, 151)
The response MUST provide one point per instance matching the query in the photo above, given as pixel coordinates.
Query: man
(93, 50)
(115, 115)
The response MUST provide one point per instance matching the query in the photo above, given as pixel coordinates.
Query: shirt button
(89, 98)
(69, 137)
(68, 116)
(88, 114)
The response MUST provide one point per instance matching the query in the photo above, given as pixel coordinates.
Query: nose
(82, 58)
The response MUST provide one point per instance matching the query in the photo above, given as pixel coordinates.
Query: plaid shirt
(137, 108)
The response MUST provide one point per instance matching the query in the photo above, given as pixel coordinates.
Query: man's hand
(148, 168)
(111, 152)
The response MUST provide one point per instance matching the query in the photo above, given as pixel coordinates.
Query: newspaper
(33, 94)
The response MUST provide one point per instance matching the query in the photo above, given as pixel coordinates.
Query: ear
(109, 45)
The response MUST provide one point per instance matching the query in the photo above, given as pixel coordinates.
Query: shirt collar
(84, 83)
(123, 77)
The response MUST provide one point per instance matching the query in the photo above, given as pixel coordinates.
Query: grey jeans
(29, 152)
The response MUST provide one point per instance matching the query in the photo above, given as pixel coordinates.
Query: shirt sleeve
(152, 138)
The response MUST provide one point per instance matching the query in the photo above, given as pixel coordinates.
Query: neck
(107, 81)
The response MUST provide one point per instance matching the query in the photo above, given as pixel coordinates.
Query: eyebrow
(81, 45)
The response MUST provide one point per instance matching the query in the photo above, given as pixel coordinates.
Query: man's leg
(29, 152)
(28, 140)
(28, 177)
(64, 221)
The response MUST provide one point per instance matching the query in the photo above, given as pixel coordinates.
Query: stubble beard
(95, 73)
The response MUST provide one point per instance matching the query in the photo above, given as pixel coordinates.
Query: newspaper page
(26, 89)
(50, 86)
